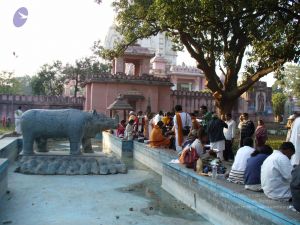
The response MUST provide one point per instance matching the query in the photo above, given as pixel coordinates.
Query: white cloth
(276, 176)
(157, 118)
(18, 115)
(218, 147)
(197, 145)
(295, 139)
(229, 132)
(186, 121)
(241, 157)
(128, 133)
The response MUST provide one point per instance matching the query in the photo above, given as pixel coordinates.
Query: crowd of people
(201, 135)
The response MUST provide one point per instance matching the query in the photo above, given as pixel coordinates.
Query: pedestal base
(61, 163)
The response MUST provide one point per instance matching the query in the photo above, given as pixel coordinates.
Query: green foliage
(25, 85)
(289, 80)
(275, 141)
(217, 33)
(278, 100)
(9, 84)
(49, 80)
(82, 69)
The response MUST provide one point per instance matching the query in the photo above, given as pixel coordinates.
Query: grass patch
(273, 140)
(4, 130)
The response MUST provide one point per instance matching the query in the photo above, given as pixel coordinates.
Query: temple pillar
(119, 65)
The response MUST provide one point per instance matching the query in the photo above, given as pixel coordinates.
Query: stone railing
(186, 69)
(9, 103)
(40, 99)
(192, 100)
(122, 77)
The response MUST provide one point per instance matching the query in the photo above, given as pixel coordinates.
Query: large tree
(278, 100)
(219, 35)
(49, 80)
(82, 69)
(289, 80)
(8, 83)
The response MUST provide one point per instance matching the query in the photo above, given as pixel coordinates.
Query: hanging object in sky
(20, 17)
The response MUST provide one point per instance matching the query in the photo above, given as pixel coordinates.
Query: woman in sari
(261, 134)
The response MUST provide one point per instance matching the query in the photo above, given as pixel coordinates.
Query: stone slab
(3, 176)
(10, 147)
(154, 158)
(61, 163)
(229, 207)
(114, 144)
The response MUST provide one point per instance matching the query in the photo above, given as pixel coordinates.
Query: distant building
(147, 74)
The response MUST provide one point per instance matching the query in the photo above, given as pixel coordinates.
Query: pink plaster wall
(102, 95)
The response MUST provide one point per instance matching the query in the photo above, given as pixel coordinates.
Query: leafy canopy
(219, 35)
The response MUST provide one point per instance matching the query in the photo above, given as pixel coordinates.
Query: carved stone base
(56, 163)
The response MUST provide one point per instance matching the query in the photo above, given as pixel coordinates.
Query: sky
(55, 30)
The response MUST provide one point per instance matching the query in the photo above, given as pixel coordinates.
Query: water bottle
(214, 171)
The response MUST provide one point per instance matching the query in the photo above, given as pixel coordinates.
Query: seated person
(276, 173)
(198, 144)
(129, 130)
(253, 167)
(236, 174)
(121, 129)
(157, 139)
(295, 188)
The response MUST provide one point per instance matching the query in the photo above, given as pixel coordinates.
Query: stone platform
(61, 163)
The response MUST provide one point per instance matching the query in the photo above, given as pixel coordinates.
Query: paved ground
(81, 200)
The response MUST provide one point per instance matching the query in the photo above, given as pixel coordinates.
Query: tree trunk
(225, 105)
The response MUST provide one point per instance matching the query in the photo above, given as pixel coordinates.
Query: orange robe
(157, 139)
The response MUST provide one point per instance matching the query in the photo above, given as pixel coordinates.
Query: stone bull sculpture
(76, 125)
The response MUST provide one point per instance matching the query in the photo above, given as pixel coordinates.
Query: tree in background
(49, 80)
(289, 80)
(25, 85)
(219, 35)
(9, 84)
(278, 100)
(82, 68)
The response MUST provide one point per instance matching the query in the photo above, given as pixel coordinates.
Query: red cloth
(261, 135)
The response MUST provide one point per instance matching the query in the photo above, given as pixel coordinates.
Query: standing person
(289, 126)
(158, 117)
(180, 120)
(247, 128)
(276, 173)
(205, 116)
(129, 131)
(216, 136)
(3, 120)
(229, 134)
(141, 123)
(261, 134)
(18, 115)
(295, 188)
(295, 139)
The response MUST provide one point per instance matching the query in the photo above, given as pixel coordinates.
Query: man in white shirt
(158, 117)
(276, 173)
(295, 139)
(129, 131)
(180, 120)
(18, 115)
(238, 168)
(229, 134)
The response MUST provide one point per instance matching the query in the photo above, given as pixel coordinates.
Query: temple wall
(103, 94)
(9, 103)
